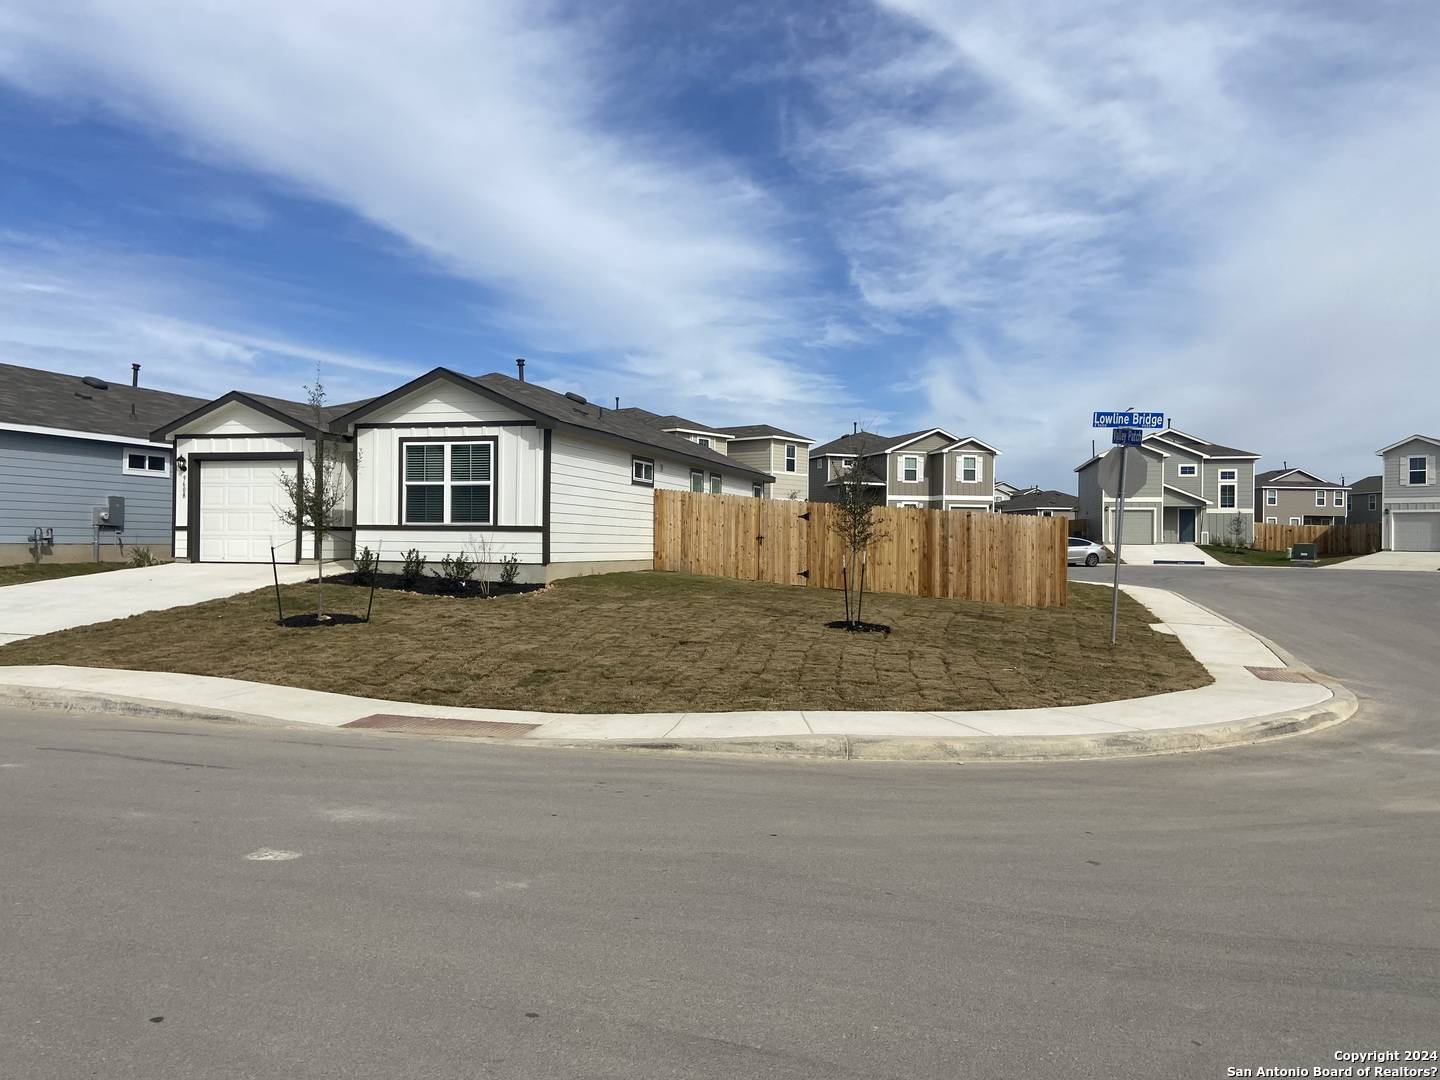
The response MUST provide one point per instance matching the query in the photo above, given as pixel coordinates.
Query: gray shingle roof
(866, 442)
(1041, 500)
(1367, 484)
(49, 399)
(1203, 446)
(1268, 479)
(762, 431)
(622, 423)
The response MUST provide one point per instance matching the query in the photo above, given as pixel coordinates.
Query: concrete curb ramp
(1258, 693)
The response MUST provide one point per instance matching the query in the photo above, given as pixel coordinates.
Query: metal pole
(374, 577)
(279, 611)
(1119, 540)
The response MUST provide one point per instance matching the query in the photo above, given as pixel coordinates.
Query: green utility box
(1304, 552)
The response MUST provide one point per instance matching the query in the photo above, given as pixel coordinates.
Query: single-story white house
(443, 464)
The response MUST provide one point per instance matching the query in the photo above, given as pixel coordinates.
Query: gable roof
(33, 398)
(971, 439)
(1408, 438)
(1036, 499)
(863, 443)
(669, 423)
(1092, 459)
(296, 413)
(1367, 484)
(1291, 478)
(763, 431)
(1196, 445)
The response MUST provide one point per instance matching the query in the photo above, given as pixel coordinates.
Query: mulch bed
(431, 585)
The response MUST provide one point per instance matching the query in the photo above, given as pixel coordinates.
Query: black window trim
(450, 440)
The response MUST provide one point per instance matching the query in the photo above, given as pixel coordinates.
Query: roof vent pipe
(134, 374)
(520, 367)
(617, 402)
(855, 427)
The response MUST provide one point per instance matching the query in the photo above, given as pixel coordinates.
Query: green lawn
(23, 572)
(653, 642)
(1252, 557)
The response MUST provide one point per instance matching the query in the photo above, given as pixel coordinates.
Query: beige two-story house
(1288, 496)
(1180, 489)
(767, 449)
(931, 469)
(1411, 494)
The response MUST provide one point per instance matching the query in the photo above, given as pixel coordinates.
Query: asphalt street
(429, 908)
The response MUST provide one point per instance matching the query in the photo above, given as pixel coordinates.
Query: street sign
(1127, 436)
(1129, 419)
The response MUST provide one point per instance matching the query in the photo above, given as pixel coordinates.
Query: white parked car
(1084, 551)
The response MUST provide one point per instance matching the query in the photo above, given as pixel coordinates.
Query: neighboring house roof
(1291, 478)
(864, 443)
(30, 398)
(1146, 447)
(970, 439)
(1365, 485)
(1196, 445)
(762, 431)
(1008, 489)
(669, 423)
(1042, 500)
(1408, 438)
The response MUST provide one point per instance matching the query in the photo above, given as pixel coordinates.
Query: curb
(959, 750)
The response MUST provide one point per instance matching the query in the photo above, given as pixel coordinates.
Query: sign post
(1127, 431)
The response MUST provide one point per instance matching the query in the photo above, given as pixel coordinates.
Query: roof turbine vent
(98, 384)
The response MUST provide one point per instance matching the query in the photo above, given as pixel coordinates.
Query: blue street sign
(1127, 436)
(1130, 419)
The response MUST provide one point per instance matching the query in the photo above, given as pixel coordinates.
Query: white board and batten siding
(446, 411)
(597, 514)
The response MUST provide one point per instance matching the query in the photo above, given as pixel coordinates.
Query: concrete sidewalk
(1392, 560)
(43, 607)
(1240, 706)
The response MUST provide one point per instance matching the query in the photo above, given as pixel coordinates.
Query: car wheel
(1092, 559)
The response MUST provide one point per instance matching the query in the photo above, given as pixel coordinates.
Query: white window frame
(757, 489)
(909, 506)
(919, 468)
(1272, 497)
(1319, 496)
(703, 440)
(125, 467)
(1410, 470)
(792, 456)
(975, 468)
(1294, 521)
(1190, 469)
(446, 483)
(1337, 498)
(697, 481)
(642, 471)
(1272, 521)
(717, 486)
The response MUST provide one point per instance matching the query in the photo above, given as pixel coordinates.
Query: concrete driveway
(1151, 554)
(1392, 560)
(42, 607)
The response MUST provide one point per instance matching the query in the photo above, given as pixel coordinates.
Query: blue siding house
(72, 445)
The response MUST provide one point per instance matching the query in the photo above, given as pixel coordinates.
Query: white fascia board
(66, 433)
(1408, 438)
(695, 431)
(968, 439)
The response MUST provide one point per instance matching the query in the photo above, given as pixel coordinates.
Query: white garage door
(238, 522)
(1139, 527)
(1416, 532)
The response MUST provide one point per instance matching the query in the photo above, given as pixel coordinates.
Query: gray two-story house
(1287, 496)
(80, 477)
(1179, 489)
(930, 469)
(1411, 494)
(1365, 500)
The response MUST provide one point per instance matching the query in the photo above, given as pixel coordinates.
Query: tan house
(1288, 496)
(928, 469)
(767, 449)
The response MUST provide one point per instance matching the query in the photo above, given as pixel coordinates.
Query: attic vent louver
(576, 397)
(98, 384)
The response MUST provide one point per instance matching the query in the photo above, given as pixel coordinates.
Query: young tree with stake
(859, 529)
(314, 498)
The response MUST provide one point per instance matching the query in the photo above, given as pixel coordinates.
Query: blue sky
(987, 217)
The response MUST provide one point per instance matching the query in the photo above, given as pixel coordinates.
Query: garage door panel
(1139, 527)
(1416, 531)
(238, 518)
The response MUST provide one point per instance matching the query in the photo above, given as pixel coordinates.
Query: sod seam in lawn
(653, 642)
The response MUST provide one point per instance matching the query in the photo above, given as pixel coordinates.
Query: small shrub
(366, 564)
(412, 567)
(143, 556)
(509, 569)
(454, 572)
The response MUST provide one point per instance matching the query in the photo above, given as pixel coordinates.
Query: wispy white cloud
(1212, 208)
(478, 134)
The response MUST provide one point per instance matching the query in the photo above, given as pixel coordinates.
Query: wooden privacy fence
(998, 558)
(1362, 538)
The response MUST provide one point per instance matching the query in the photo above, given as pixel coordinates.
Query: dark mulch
(311, 619)
(858, 627)
(430, 585)
(653, 642)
